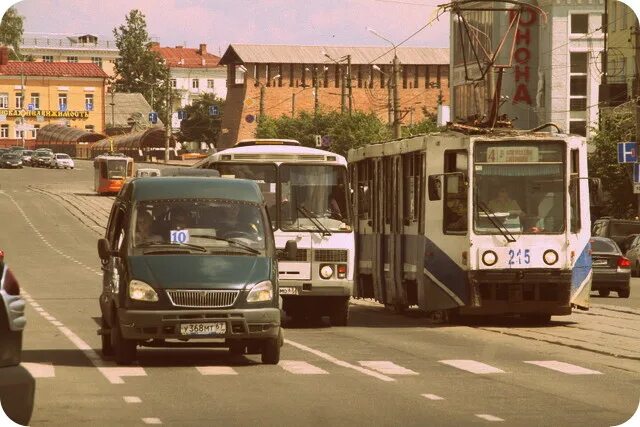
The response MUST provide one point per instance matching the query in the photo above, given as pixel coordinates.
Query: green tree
(615, 126)
(11, 30)
(139, 69)
(199, 124)
(344, 131)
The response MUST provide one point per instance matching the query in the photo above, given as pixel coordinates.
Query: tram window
(420, 192)
(411, 186)
(455, 192)
(103, 170)
(574, 192)
(364, 188)
(388, 188)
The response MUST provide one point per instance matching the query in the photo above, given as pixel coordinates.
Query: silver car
(62, 160)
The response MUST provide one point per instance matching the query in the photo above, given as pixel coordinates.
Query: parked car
(616, 229)
(26, 157)
(17, 386)
(62, 160)
(611, 269)
(41, 159)
(141, 172)
(10, 160)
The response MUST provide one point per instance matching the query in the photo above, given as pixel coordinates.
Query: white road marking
(432, 396)
(340, 362)
(56, 323)
(566, 368)
(35, 305)
(299, 367)
(489, 417)
(40, 370)
(40, 310)
(51, 319)
(216, 370)
(473, 366)
(386, 367)
(151, 421)
(132, 399)
(115, 373)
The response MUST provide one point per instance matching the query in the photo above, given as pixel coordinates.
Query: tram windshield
(518, 187)
(117, 169)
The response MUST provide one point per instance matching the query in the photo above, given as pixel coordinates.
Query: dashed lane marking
(386, 367)
(339, 362)
(40, 370)
(432, 396)
(473, 366)
(566, 368)
(216, 370)
(115, 373)
(299, 367)
(151, 421)
(132, 399)
(489, 417)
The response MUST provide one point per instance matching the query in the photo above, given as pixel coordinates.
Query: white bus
(475, 224)
(308, 199)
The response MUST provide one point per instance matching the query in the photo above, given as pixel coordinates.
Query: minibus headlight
(550, 257)
(326, 271)
(489, 258)
(141, 291)
(261, 292)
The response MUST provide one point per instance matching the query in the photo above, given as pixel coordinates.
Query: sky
(219, 23)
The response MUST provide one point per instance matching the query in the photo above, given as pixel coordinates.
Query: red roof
(53, 69)
(184, 57)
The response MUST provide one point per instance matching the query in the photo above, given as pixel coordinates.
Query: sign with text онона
(627, 152)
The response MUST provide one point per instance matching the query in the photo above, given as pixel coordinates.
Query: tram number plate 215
(519, 256)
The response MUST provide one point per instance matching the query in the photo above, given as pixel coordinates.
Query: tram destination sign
(512, 154)
(44, 113)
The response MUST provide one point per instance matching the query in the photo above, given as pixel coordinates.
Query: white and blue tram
(481, 224)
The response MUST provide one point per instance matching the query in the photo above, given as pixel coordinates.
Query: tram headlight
(326, 271)
(489, 258)
(550, 257)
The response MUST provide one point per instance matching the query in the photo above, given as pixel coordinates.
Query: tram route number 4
(179, 236)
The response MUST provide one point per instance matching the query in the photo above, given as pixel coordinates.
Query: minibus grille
(330, 255)
(202, 298)
(302, 255)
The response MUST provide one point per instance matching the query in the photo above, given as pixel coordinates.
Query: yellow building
(35, 94)
(619, 74)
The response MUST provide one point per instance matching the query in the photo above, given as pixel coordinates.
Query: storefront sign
(522, 55)
(45, 113)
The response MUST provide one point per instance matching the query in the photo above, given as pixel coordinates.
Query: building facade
(34, 94)
(277, 80)
(193, 72)
(72, 48)
(556, 65)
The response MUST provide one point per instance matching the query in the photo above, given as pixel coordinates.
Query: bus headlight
(326, 271)
(261, 292)
(550, 257)
(489, 258)
(141, 291)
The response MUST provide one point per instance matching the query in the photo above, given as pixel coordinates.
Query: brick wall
(418, 87)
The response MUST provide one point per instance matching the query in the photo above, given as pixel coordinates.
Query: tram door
(378, 206)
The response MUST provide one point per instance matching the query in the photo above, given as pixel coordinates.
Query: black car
(41, 159)
(616, 229)
(17, 386)
(11, 160)
(611, 270)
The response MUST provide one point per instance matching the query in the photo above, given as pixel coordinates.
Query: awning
(152, 138)
(57, 133)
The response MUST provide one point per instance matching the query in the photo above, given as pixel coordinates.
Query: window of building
(90, 128)
(405, 77)
(19, 134)
(174, 83)
(238, 74)
(19, 100)
(578, 81)
(578, 127)
(359, 74)
(195, 83)
(47, 58)
(326, 76)
(35, 101)
(97, 60)
(4, 100)
(303, 79)
(337, 76)
(579, 23)
(62, 101)
(382, 76)
(427, 77)
(210, 83)
(72, 59)
(623, 11)
(4, 131)
(613, 18)
(34, 131)
(291, 71)
(88, 101)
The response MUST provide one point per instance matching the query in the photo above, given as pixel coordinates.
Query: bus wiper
(172, 246)
(233, 242)
(323, 230)
(492, 217)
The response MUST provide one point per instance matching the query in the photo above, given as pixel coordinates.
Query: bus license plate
(288, 290)
(217, 328)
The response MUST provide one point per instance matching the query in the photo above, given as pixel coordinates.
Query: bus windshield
(313, 195)
(519, 186)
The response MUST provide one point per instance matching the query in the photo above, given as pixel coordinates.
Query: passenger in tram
(503, 203)
(456, 215)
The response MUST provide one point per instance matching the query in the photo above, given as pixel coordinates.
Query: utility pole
(636, 91)
(343, 89)
(167, 141)
(396, 98)
(389, 100)
(261, 100)
(316, 104)
(349, 84)
(293, 105)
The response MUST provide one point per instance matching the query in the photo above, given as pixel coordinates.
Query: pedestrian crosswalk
(118, 374)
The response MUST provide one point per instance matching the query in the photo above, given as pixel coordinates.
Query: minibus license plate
(288, 290)
(216, 328)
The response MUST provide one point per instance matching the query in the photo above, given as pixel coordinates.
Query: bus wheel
(604, 293)
(340, 313)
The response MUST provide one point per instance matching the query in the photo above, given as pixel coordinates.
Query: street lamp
(346, 78)
(389, 86)
(396, 96)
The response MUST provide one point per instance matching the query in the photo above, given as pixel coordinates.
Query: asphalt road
(383, 369)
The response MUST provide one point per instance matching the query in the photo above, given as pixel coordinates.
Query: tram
(110, 173)
(307, 194)
(489, 224)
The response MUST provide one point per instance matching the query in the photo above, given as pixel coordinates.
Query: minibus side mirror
(435, 187)
(291, 250)
(104, 249)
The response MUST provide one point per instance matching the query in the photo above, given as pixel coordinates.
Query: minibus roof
(190, 187)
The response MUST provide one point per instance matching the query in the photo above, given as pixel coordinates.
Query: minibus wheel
(271, 350)
(107, 348)
(124, 350)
